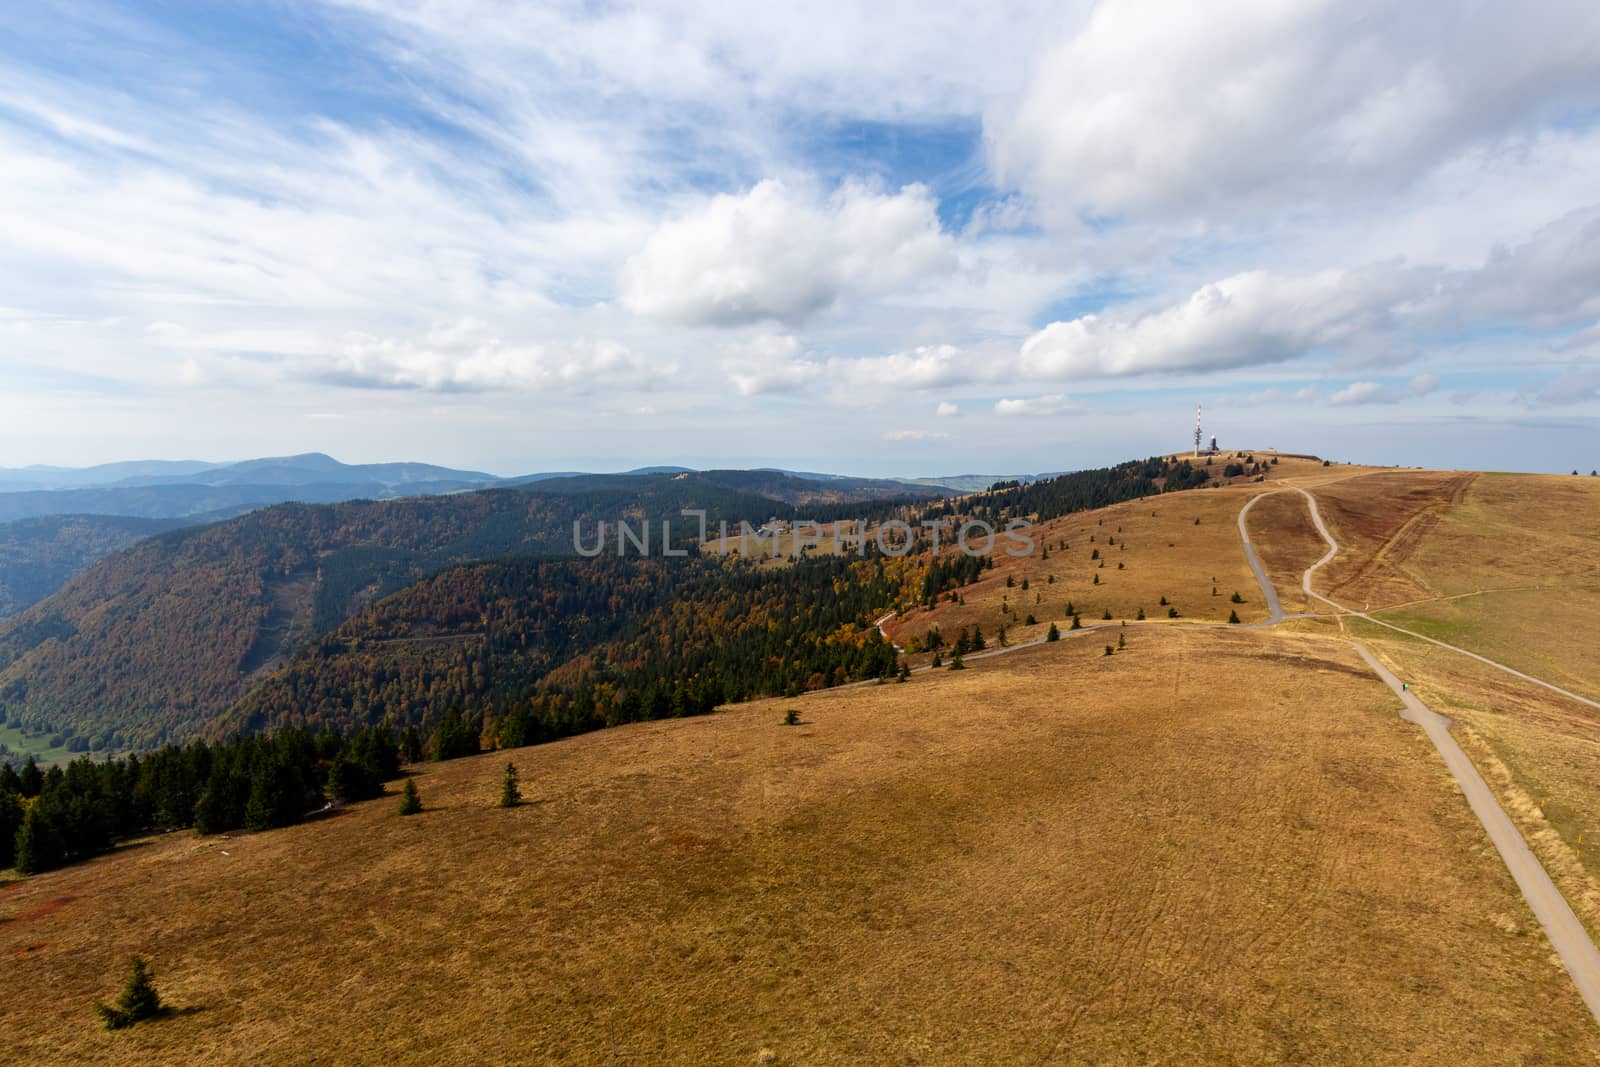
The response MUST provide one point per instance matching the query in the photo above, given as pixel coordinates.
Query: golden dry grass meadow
(1220, 844)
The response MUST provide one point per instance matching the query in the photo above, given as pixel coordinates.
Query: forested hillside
(365, 612)
(542, 648)
(1082, 490)
(149, 644)
(39, 556)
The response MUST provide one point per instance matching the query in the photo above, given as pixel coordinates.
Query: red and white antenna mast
(1197, 430)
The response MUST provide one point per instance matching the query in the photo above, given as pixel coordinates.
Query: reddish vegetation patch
(40, 911)
(1379, 521)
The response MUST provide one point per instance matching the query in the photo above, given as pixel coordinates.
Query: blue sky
(881, 239)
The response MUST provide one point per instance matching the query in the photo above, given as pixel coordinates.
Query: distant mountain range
(57, 521)
(171, 489)
(158, 489)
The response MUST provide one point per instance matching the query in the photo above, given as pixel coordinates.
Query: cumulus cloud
(781, 253)
(1245, 320)
(1424, 383)
(947, 410)
(769, 363)
(1357, 393)
(1169, 107)
(923, 367)
(1364, 393)
(465, 358)
(774, 363)
(1055, 404)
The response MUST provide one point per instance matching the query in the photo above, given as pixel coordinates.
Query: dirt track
(1566, 933)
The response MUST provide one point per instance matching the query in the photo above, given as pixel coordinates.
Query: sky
(886, 238)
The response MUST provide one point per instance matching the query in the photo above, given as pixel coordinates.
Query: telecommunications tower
(1197, 430)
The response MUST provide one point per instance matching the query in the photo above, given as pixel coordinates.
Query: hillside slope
(1132, 857)
(39, 556)
(536, 649)
(155, 641)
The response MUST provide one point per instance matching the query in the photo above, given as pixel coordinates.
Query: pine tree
(1233, 616)
(411, 746)
(1172, 613)
(139, 999)
(1237, 599)
(1052, 634)
(1107, 615)
(39, 845)
(791, 717)
(10, 823)
(1077, 621)
(31, 778)
(510, 795)
(1110, 651)
(410, 802)
(956, 664)
(1139, 617)
(1000, 637)
(1122, 640)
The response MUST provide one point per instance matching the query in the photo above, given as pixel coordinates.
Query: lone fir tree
(510, 795)
(139, 999)
(410, 802)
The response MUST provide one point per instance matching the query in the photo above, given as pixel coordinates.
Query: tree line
(51, 818)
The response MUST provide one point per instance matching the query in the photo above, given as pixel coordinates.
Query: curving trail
(1274, 609)
(1566, 933)
(1305, 582)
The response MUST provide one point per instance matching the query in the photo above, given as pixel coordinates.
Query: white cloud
(1245, 320)
(1364, 393)
(924, 367)
(1424, 383)
(1357, 393)
(768, 363)
(914, 435)
(947, 410)
(780, 253)
(464, 358)
(1169, 107)
(1055, 404)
